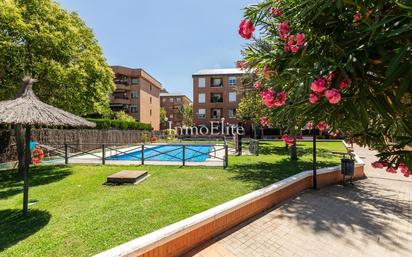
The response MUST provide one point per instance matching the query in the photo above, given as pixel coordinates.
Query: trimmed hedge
(119, 124)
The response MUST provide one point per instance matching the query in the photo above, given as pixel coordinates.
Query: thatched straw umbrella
(26, 111)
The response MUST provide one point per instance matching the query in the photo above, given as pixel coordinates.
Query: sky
(171, 40)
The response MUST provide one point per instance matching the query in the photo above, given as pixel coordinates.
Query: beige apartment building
(172, 103)
(137, 93)
(216, 95)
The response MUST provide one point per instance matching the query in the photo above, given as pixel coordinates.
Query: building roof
(230, 71)
(136, 72)
(173, 94)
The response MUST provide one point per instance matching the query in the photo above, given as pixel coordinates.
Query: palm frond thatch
(28, 110)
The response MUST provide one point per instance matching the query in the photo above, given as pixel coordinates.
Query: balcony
(120, 100)
(122, 87)
(121, 81)
(216, 98)
(216, 82)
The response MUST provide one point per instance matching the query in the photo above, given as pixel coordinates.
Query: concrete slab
(126, 176)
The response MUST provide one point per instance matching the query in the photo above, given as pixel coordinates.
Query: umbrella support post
(27, 156)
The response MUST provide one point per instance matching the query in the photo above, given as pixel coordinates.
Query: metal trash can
(347, 166)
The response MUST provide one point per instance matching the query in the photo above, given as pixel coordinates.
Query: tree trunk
(27, 156)
(294, 151)
(19, 136)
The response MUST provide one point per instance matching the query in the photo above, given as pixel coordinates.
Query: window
(150, 87)
(202, 98)
(135, 81)
(163, 100)
(134, 94)
(150, 100)
(216, 113)
(232, 81)
(201, 82)
(232, 113)
(171, 99)
(150, 112)
(232, 97)
(216, 82)
(201, 113)
(133, 108)
(178, 99)
(171, 116)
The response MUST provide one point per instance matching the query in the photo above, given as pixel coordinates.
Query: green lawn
(74, 214)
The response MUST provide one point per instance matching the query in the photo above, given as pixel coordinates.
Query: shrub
(119, 124)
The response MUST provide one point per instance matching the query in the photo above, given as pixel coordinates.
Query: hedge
(119, 124)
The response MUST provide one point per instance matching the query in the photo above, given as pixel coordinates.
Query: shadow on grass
(14, 227)
(262, 174)
(11, 182)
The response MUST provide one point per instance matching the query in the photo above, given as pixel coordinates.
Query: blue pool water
(193, 153)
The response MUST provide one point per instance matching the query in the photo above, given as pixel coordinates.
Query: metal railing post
(103, 154)
(184, 155)
(66, 157)
(226, 162)
(142, 154)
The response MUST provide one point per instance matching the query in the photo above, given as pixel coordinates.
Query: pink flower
(286, 48)
(284, 28)
(264, 121)
(272, 99)
(277, 12)
(322, 125)
(268, 98)
(333, 96)
(357, 16)
(309, 125)
(241, 65)
(287, 139)
(280, 99)
(330, 77)
(294, 48)
(246, 29)
(404, 169)
(318, 85)
(300, 39)
(344, 84)
(313, 98)
(391, 170)
(267, 72)
(257, 85)
(379, 164)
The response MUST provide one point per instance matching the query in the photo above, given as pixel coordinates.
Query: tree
(163, 115)
(40, 39)
(186, 113)
(123, 116)
(347, 63)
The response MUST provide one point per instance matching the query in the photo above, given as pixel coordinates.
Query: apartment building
(172, 103)
(138, 94)
(216, 95)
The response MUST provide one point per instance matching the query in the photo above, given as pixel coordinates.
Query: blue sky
(169, 39)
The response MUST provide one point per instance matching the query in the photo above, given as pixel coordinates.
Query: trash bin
(348, 166)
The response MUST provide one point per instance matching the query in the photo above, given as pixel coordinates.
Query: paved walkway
(371, 218)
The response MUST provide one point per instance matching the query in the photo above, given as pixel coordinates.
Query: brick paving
(371, 218)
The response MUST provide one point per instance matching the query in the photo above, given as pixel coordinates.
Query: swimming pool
(193, 153)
